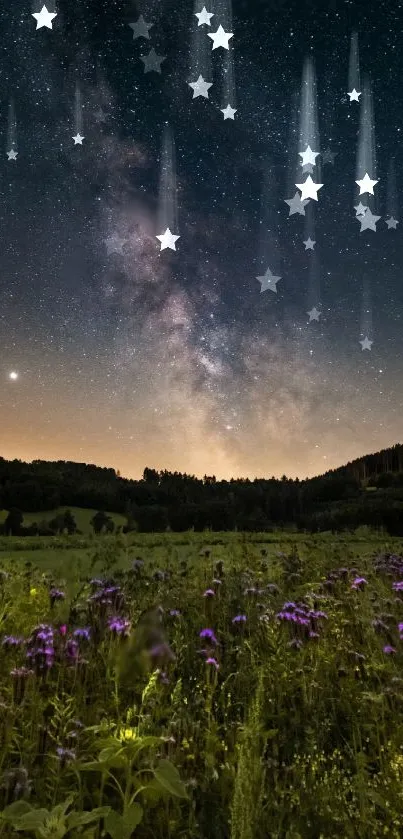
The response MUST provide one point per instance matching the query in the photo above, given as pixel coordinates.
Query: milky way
(176, 360)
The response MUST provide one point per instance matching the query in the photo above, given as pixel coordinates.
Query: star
(114, 244)
(200, 88)
(152, 61)
(12, 155)
(204, 17)
(229, 112)
(220, 37)
(329, 156)
(366, 343)
(368, 221)
(392, 223)
(366, 184)
(44, 18)
(361, 209)
(309, 189)
(354, 94)
(313, 314)
(268, 281)
(296, 205)
(140, 28)
(308, 156)
(13, 376)
(309, 243)
(168, 240)
(78, 139)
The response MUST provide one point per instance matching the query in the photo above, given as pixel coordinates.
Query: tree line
(367, 491)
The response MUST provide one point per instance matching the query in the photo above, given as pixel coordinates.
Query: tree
(69, 522)
(99, 521)
(13, 522)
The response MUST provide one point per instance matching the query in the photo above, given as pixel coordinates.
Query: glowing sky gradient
(176, 360)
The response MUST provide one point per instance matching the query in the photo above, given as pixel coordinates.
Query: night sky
(125, 355)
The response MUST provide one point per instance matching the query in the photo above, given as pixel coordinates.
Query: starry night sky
(177, 360)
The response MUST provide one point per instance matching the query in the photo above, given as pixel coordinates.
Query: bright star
(44, 18)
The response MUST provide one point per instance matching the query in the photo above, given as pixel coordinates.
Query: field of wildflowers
(235, 689)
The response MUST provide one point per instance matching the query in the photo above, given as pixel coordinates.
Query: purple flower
(239, 619)
(209, 593)
(119, 625)
(208, 633)
(397, 586)
(389, 649)
(83, 632)
(56, 594)
(213, 662)
(359, 582)
(65, 754)
(175, 613)
(21, 672)
(12, 641)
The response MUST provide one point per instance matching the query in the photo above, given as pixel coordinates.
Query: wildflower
(120, 626)
(358, 582)
(397, 586)
(208, 633)
(65, 754)
(82, 632)
(239, 619)
(33, 592)
(209, 593)
(217, 582)
(389, 649)
(56, 594)
(63, 629)
(16, 781)
(175, 613)
(12, 641)
(212, 661)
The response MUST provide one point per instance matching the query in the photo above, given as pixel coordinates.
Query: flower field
(236, 689)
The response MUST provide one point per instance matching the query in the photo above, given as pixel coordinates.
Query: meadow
(207, 686)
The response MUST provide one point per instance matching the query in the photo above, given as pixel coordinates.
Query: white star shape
(309, 243)
(308, 156)
(366, 184)
(140, 28)
(204, 17)
(296, 205)
(366, 343)
(314, 314)
(368, 222)
(78, 139)
(44, 18)
(309, 189)
(200, 88)
(229, 113)
(167, 240)
(354, 94)
(360, 209)
(220, 37)
(114, 244)
(267, 281)
(12, 154)
(391, 222)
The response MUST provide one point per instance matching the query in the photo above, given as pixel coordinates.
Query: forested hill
(339, 499)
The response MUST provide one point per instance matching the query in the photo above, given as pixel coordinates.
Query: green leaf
(132, 816)
(168, 776)
(115, 826)
(32, 820)
(15, 810)
(76, 819)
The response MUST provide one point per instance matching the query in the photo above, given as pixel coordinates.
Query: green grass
(278, 743)
(82, 517)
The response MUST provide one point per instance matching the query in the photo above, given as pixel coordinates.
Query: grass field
(265, 703)
(81, 515)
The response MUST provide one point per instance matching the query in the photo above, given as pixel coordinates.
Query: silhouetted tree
(13, 522)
